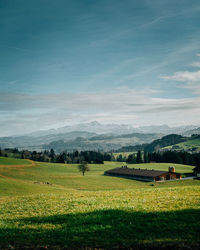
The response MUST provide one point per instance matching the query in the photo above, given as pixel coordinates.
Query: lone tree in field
(83, 167)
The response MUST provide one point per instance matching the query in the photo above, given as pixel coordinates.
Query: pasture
(124, 154)
(46, 205)
(188, 145)
(13, 161)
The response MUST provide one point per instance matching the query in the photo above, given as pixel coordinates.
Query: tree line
(167, 156)
(95, 157)
(156, 145)
(64, 157)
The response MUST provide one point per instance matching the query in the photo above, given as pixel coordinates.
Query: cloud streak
(184, 76)
(190, 79)
(28, 113)
(195, 64)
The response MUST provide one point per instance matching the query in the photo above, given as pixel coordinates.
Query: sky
(75, 61)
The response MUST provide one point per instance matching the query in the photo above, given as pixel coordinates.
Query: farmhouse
(144, 174)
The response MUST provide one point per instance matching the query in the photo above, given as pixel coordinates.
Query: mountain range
(99, 128)
(103, 142)
(93, 136)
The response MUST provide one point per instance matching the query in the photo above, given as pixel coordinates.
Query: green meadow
(52, 206)
(124, 154)
(13, 161)
(189, 144)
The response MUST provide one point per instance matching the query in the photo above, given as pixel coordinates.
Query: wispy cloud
(190, 79)
(122, 105)
(195, 64)
(184, 76)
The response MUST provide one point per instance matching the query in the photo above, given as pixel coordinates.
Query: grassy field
(124, 154)
(13, 161)
(190, 144)
(53, 206)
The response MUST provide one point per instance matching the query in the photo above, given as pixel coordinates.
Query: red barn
(144, 174)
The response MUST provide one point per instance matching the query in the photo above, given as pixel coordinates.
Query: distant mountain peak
(113, 128)
(94, 123)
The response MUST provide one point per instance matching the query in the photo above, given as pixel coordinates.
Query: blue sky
(65, 62)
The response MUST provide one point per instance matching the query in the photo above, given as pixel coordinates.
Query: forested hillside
(156, 145)
(101, 142)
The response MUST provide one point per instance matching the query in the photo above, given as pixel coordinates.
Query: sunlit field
(46, 205)
(190, 144)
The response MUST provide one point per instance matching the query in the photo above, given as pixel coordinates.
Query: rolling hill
(101, 142)
(190, 144)
(155, 145)
(36, 142)
(91, 136)
(52, 206)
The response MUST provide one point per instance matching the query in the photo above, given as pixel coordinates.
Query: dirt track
(33, 164)
(20, 166)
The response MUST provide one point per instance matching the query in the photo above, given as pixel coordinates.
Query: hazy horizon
(93, 123)
(123, 62)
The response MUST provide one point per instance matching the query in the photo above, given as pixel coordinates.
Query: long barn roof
(135, 172)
